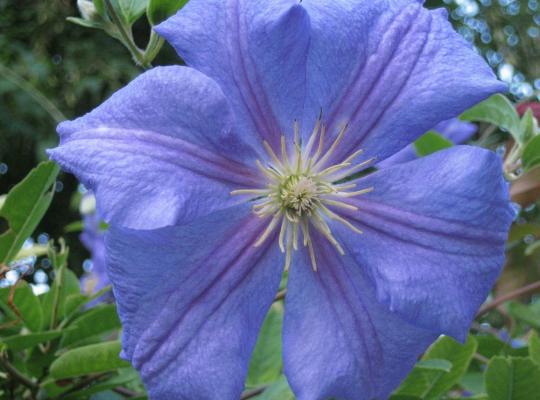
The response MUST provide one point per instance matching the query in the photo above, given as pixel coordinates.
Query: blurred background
(51, 68)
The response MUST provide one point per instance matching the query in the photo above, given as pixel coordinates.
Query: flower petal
(434, 235)
(458, 132)
(160, 151)
(338, 340)
(398, 70)
(255, 49)
(191, 300)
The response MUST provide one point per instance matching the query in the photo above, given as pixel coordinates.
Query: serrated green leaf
(27, 304)
(496, 110)
(266, 363)
(431, 384)
(473, 382)
(98, 320)
(534, 348)
(531, 154)
(21, 342)
(24, 208)
(101, 357)
(430, 143)
(512, 378)
(159, 10)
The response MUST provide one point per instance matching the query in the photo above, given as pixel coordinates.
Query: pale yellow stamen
(301, 192)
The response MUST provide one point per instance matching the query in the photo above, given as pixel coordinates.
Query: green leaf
(473, 381)
(24, 208)
(101, 357)
(131, 10)
(534, 348)
(435, 364)
(430, 383)
(98, 320)
(512, 378)
(21, 342)
(26, 303)
(431, 142)
(266, 363)
(86, 23)
(496, 110)
(65, 284)
(279, 390)
(125, 376)
(524, 314)
(160, 10)
(531, 154)
(528, 126)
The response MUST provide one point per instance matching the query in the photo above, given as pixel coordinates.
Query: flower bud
(88, 10)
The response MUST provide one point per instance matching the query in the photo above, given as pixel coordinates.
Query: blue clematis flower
(218, 176)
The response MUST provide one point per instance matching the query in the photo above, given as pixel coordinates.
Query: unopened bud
(87, 9)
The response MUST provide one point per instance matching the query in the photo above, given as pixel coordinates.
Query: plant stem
(152, 49)
(127, 38)
(526, 290)
(19, 376)
(43, 101)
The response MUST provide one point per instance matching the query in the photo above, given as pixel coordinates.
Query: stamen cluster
(302, 192)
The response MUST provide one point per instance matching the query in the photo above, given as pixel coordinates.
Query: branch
(525, 290)
(19, 376)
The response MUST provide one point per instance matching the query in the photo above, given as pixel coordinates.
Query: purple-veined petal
(339, 341)
(158, 152)
(192, 299)
(458, 132)
(391, 69)
(255, 49)
(434, 235)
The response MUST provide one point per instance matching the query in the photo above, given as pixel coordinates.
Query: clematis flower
(456, 131)
(218, 176)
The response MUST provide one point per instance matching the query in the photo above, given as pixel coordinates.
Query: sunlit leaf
(512, 379)
(24, 207)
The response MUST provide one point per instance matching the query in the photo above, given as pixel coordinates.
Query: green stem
(127, 38)
(43, 101)
(19, 376)
(154, 46)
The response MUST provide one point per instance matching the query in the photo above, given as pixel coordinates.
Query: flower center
(302, 192)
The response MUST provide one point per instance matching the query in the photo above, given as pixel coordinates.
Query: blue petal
(192, 300)
(434, 236)
(256, 51)
(160, 151)
(391, 69)
(458, 132)
(338, 340)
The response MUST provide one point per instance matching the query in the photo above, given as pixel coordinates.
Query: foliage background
(76, 68)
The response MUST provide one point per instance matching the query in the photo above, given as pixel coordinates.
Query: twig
(19, 376)
(526, 290)
(85, 382)
(249, 394)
